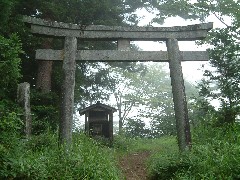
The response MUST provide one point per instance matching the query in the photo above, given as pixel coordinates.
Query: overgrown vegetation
(41, 158)
(123, 144)
(215, 150)
(10, 50)
(214, 155)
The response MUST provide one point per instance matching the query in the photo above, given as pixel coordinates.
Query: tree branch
(214, 13)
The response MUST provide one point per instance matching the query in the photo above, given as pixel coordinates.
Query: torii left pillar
(69, 68)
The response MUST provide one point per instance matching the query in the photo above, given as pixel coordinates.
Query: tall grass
(215, 154)
(123, 144)
(40, 158)
(155, 147)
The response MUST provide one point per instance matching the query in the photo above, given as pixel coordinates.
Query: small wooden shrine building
(99, 120)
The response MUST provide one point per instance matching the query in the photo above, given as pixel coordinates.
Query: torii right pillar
(179, 96)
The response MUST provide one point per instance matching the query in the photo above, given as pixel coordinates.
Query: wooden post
(179, 96)
(111, 126)
(69, 67)
(87, 123)
(23, 96)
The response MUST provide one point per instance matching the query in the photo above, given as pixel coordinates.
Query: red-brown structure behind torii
(99, 120)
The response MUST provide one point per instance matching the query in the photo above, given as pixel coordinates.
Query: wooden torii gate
(123, 35)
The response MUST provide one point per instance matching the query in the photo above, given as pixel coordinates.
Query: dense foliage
(10, 49)
(41, 158)
(147, 96)
(221, 82)
(215, 149)
(214, 155)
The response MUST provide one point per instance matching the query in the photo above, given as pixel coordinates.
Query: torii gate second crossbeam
(123, 35)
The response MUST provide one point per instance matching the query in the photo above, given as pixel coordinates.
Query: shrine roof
(97, 107)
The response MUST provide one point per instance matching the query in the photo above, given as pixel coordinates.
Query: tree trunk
(123, 45)
(44, 73)
(118, 98)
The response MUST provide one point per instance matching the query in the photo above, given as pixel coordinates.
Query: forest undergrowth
(215, 154)
(41, 158)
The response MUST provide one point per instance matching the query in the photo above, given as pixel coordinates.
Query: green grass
(41, 158)
(159, 147)
(129, 145)
(215, 154)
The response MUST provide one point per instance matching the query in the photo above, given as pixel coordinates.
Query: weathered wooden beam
(59, 29)
(114, 55)
(69, 67)
(179, 96)
(111, 126)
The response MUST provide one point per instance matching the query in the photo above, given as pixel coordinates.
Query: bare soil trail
(133, 165)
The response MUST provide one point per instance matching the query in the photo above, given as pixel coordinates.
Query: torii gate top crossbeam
(59, 29)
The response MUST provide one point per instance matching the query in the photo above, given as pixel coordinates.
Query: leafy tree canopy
(150, 92)
(221, 83)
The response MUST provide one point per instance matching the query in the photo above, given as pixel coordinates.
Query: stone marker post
(23, 96)
(69, 67)
(179, 96)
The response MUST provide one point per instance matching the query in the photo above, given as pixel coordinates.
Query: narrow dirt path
(133, 165)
